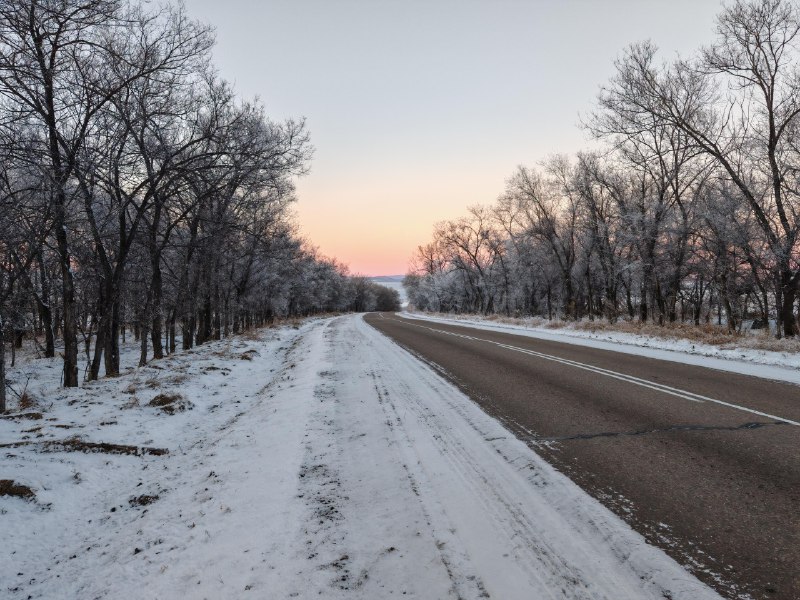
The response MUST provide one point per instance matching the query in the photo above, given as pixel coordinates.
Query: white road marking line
(686, 395)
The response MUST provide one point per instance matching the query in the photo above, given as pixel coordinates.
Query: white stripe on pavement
(659, 387)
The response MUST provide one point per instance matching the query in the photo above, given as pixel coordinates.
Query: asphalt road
(703, 463)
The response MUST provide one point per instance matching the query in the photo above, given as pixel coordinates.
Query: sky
(418, 109)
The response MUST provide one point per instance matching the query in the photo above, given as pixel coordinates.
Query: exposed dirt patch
(32, 416)
(90, 447)
(143, 500)
(171, 403)
(108, 448)
(9, 487)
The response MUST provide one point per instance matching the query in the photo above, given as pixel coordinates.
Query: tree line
(689, 210)
(139, 193)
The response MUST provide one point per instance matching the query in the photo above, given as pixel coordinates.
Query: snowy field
(394, 282)
(777, 366)
(314, 462)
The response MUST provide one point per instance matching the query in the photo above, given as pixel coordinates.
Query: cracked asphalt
(703, 463)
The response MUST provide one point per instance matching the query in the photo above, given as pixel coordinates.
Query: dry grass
(32, 416)
(178, 378)
(76, 444)
(706, 333)
(256, 334)
(248, 354)
(253, 335)
(225, 352)
(170, 403)
(9, 487)
(27, 401)
(132, 403)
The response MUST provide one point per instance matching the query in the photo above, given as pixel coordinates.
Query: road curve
(704, 464)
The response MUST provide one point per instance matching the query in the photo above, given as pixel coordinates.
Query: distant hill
(394, 282)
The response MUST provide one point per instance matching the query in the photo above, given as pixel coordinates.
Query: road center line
(678, 393)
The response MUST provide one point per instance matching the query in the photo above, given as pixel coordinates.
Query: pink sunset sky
(420, 109)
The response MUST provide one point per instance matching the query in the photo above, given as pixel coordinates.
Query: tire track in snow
(462, 584)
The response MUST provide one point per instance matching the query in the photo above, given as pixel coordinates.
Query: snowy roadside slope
(777, 366)
(330, 464)
(111, 525)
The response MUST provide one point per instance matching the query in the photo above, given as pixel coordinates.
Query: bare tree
(739, 103)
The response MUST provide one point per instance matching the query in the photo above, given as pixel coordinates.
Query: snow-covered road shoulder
(330, 463)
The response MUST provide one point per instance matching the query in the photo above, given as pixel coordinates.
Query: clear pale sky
(420, 109)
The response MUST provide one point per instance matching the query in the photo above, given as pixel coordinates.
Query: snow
(321, 461)
(776, 366)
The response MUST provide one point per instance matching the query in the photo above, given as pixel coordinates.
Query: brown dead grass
(27, 401)
(31, 416)
(253, 335)
(177, 379)
(132, 403)
(9, 487)
(78, 445)
(225, 352)
(706, 333)
(170, 403)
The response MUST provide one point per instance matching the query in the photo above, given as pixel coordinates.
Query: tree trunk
(2, 368)
(172, 331)
(789, 293)
(643, 303)
(156, 329)
(112, 338)
(100, 341)
(99, 348)
(779, 309)
(70, 330)
(143, 349)
(143, 328)
(205, 323)
(217, 315)
(187, 329)
(46, 316)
